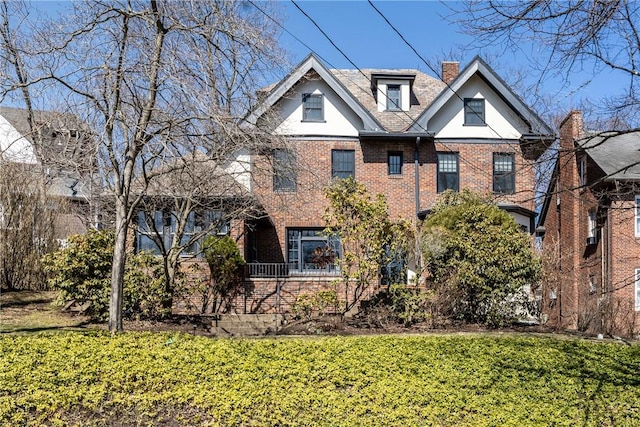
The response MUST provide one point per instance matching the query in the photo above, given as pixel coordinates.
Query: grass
(33, 311)
(94, 378)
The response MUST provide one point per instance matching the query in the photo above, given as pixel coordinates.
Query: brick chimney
(571, 130)
(450, 71)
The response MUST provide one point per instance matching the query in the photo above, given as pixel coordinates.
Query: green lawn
(94, 378)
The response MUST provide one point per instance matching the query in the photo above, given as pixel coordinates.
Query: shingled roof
(424, 89)
(616, 153)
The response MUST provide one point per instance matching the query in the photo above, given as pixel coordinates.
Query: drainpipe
(416, 164)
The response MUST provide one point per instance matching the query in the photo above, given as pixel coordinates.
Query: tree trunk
(117, 269)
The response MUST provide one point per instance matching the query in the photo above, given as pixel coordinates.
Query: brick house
(54, 152)
(402, 133)
(592, 232)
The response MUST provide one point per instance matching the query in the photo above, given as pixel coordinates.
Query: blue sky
(369, 42)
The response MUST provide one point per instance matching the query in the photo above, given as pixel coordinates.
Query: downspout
(604, 248)
(416, 164)
(416, 172)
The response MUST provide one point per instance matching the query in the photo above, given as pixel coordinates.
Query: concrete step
(245, 324)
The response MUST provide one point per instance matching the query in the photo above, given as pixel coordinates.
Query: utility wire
(413, 121)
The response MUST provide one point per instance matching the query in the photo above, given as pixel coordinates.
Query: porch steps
(242, 325)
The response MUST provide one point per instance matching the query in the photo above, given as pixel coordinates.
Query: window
(157, 229)
(394, 101)
(504, 178)
(394, 162)
(637, 210)
(310, 250)
(474, 111)
(343, 163)
(593, 225)
(284, 170)
(637, 290)
(448, 176)
(312, 108)
(582, 170)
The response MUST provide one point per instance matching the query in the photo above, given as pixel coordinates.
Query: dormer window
(312, 110)
(394, 98)
(392, 90)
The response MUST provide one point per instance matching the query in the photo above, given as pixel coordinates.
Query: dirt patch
(33, 311)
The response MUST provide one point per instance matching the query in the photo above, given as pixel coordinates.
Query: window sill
(313, 121)
(395, 176)
(475, 125)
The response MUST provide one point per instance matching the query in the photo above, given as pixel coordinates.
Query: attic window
(312, 110)
(474, 112)
(394, 101)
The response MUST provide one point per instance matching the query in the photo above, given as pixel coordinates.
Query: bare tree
(26, 226)
(571, 37)
(150, 78)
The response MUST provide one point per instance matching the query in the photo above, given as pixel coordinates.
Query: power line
(413, 121)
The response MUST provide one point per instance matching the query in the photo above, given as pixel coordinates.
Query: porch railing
(277, 269)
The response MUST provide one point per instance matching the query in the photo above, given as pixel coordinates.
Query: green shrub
(411, 305)
(225, 264)
(81, 271)
(478, 259)
(320, 302)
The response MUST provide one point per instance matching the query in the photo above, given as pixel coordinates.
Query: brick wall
(593, 285)
(305, 206)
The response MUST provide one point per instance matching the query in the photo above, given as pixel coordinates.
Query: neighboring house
(591, 218)
(402, 133)
(55, 153)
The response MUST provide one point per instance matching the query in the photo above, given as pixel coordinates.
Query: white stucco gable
(342, 115)
(13, 146)
(338, 118)
(506, 115)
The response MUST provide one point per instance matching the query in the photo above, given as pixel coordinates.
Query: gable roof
(308, 64)
(361, 83)
(479, 67)
(616, 153)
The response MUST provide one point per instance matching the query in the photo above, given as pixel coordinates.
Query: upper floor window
(394, 100)
(448, 174)
(312, 110)
(637, 211)
(343, 163)
(592, 231)
(504, 177)
(582, 171)
(394, 163)
(284, 170)
(474, 111)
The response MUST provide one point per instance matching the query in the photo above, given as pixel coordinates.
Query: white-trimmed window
(637, 212)
(637, 290)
